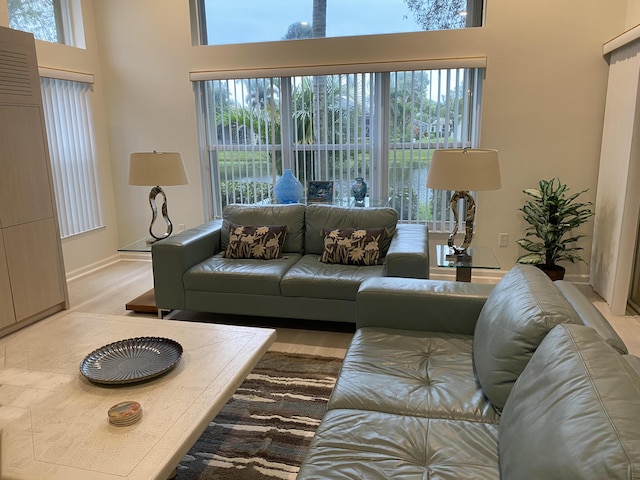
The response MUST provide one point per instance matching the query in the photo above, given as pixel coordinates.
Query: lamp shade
(157, 168)
(464, 169)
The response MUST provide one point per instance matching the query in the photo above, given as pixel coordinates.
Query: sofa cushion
(311, 278)
(352, 246)
(522, 308)
(573, 413)
(634, 363)
(290, 215)
(262, 242)
(230, 275)
(412, 373)
(329, 217)
(352, 444)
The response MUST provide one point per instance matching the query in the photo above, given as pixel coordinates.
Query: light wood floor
(106, 291)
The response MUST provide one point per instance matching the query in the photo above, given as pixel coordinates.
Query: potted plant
(552, 214)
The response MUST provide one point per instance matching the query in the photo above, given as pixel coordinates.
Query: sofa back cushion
(573, 413)
(522, 308)
(329, 217)
(291, 215)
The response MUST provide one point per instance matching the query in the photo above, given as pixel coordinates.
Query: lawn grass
(233, 162)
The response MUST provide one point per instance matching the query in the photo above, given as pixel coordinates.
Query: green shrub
(244, 192)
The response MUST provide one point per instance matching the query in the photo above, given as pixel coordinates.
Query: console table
(475, 257)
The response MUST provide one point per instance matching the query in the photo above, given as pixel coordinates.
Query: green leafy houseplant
(552, 214)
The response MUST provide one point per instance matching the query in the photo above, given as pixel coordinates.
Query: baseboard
(137, 256)
(80, 272)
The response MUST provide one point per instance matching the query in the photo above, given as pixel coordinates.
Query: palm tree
(319, 30)
(319, 25)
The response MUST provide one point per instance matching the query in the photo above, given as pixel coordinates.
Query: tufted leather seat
(421, 392)
(385, 446)
(412, 373)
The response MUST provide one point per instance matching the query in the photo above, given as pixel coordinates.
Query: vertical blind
(382, 126)
(69, 122)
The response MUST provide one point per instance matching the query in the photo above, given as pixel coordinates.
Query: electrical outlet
(503, 239)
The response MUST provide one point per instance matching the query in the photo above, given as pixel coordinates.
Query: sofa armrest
(423, 305)
(408, 254)
(173, 256)
(590, 315)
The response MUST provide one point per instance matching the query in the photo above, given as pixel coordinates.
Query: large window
(379, 126)
(48, 20)
(69, 122)
(220, 22)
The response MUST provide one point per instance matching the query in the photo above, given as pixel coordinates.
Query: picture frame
(319, 191)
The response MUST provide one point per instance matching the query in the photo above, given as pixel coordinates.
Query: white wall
(94, 248)
(145, 52)
(543, 103)
(633, 14)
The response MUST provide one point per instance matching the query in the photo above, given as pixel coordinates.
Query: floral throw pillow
(262, 242)
(352, 246)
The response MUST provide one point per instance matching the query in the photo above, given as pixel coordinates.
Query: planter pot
(554, 273)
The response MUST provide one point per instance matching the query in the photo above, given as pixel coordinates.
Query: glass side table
(145, 303)
(475, 257)
(367, 202)
(140, 246)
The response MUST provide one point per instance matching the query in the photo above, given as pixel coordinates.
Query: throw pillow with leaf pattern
(263, 242)
(352, 246)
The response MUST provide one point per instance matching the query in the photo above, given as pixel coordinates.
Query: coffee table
(54, 421)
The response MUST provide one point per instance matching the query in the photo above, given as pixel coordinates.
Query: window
(69, 122)
(379, 126)
(220, 22)
(48, 20)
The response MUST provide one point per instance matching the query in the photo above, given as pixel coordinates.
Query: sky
(268, 20)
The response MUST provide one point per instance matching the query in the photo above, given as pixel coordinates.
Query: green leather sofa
(191, 272)
(446, 381)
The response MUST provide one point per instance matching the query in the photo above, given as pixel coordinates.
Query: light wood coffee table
(54, 421)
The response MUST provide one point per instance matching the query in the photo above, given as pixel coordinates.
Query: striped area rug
(264, 430)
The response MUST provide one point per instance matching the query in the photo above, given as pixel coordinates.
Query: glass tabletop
(367, 202)
(342, 202)
(142, 245)
(475, 257)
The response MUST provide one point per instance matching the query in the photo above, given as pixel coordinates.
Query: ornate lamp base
(155, 191)
(470, 216)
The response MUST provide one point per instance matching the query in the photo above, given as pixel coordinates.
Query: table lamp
(155, 169)
(462, 170)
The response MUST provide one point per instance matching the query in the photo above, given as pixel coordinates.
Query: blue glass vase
(288, 188)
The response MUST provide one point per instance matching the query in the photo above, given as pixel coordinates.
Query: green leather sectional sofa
(445, 380)
(191, 271)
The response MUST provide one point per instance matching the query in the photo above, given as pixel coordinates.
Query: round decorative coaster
(125, 413)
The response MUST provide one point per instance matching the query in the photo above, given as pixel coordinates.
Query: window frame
(63, 18)
(379, 147)
(68, 113)
(475, 18)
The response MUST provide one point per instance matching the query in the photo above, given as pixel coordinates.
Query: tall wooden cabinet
(32, 277)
